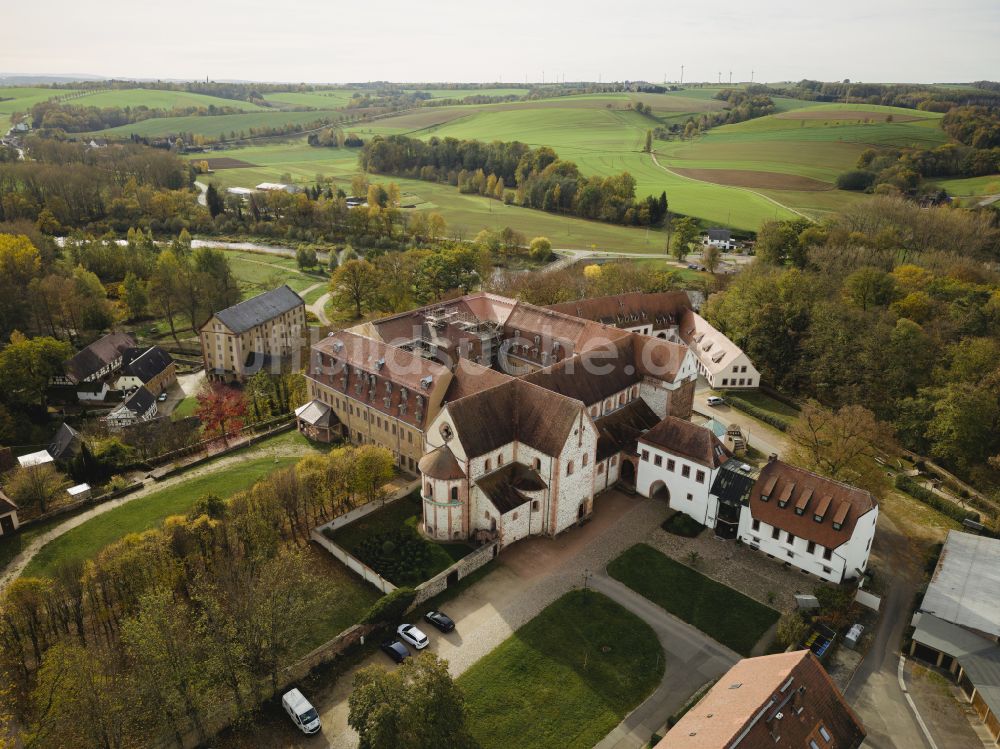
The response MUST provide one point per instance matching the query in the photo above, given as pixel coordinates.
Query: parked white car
(409, 633)
(714, 400)
(301, 711)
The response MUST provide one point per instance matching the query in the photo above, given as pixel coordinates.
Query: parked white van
(302, 713)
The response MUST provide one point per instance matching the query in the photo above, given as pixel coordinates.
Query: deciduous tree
(221, 410)
(841, 444)
(354, 286)
(27, 365)
(417, 706)
(35, 486)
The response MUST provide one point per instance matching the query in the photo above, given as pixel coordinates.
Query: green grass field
(466, 214)
(776, 167)
(156, 99)
(972, 186)
(22, 98)
(213, 127)
(722, 613)
(565, 679)
(86, 540)
(257, 273)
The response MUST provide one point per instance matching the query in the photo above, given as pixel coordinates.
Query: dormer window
(837, 526)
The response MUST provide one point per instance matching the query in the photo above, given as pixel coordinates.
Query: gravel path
(18, 563)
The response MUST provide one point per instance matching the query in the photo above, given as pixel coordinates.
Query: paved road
(875, 692)
(692, 660)
(760, 436)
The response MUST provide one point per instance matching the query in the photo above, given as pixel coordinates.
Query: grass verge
(565, 679)
(86, 540)
(722, 613)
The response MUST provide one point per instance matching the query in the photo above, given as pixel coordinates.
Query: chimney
(772, 457)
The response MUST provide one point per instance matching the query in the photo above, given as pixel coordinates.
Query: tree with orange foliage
(221, 410)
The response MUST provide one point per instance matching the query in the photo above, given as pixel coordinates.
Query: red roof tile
(771, 702)
(784, 483)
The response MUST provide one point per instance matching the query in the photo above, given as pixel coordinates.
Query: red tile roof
(514, 411)
(688, 440)
(812, 495)
(771, 702)
(441, 464)
(376, 374)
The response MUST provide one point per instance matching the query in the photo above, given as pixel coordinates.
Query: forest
(170, 630)
(515, 173)
(887, 306)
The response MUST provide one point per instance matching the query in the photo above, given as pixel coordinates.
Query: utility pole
(682, 75)
(730, 77)
(720, 77)
(751, 76)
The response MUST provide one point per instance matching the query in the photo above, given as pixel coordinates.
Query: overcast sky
(465, 40)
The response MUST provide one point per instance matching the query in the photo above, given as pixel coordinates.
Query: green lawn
(717, 610)
(186, 407)
(766, 403)
(11, 546)
(157, 99)
(86, 541)
(565, 679)
(411, 558)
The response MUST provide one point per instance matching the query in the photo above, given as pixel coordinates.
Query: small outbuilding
(35, 459)
(8, 516)
(80, 491)
(317, 421)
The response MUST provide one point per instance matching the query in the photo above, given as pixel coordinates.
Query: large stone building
(670, 315)
(514, 415)
(256, 333)
(784, 701)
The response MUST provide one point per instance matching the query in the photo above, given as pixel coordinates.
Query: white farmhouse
(721, 238)
(819, 525)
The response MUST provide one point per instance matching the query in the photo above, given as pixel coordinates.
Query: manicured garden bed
(565, 679)
(388, 541)
(717, 610)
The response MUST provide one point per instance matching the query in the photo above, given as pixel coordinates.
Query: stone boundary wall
(78, 505)
(354, 564)
(463, 567)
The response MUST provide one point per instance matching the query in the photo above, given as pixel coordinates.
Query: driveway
(759, 435)
(692, 659)
(528, 577)
(875, 693)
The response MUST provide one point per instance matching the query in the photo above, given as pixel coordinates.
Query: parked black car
(395, 650)
(440, 620)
